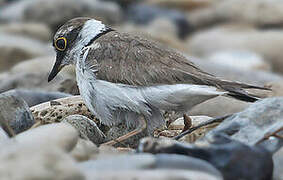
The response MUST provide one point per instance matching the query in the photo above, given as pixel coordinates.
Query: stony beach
(47, 132)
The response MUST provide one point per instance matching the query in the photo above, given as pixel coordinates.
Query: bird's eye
(61, 44)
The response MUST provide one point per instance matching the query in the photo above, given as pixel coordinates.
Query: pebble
(39, 11)
(60, 135)
(15, 49)
(38, 31)
(34, 97)
(234, 37)
(142, 162)
(251, 125)
(15, 112)
(36, 161)
(159, 174)
(84, 150)
(86, 127)
(278, 165)
(144, 14)
(3, 135)
(243, 60)
(240, 11)
(235, 160)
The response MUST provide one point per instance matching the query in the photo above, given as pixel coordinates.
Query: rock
(15, 49)
(29, 161)
(143, 14)
(152, 31)
(110, 151)
(56, 110)
(251, 125)
(178, 126)
(33, 73)
(265, 43)
(121, 162)
(84, 150)
(39, 11)
(258, 78)
(42, 65)
(126, 163)
(182, 4)
(235, 160)
(86, 127)
(242, 60)
(240, 11)
(32, 97)
(3, 135)
(69, 86)
(15, 112)
(278, 165)
(122, 129)
(277, 88)
(218, 106)
(59, 135)
(36, 31)
(38, 82)
(14, 11)
(196, 120)
(160, 174)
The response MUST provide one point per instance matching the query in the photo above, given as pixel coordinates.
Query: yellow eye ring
(61, 44)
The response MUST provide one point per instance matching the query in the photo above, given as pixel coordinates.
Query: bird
(124, 78)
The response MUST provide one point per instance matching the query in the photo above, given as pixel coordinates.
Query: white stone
(60, 135)
(243, 60)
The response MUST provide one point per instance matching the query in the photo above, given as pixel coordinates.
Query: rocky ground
(47, 132)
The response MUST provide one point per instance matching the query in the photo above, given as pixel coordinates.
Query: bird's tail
(236, 90)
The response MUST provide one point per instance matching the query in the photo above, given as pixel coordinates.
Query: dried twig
(214, 120)
(187, 122)
(272, 133)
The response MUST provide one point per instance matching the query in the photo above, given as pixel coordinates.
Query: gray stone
(143, 14)
(15, 49)
(42, 65)
(60, 135)
(148, 162)
(240, 11)
(243, 60)
(152, 31)
(122, 162)
(265, 43)
(86, 127)
(84, 150)
(258, 78)
(252, 124)
(36, 31)
(15, 112)
(29, 161)
(235, 160)
(33, 97)
(3, 135)
(37, 81)
(50, 12)
(14, 11)
(110, 151)
(159, 174)
(278, 165)
(218, 106)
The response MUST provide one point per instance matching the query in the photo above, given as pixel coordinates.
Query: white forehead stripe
(90, 30)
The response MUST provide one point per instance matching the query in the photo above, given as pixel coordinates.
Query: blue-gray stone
(15, 112)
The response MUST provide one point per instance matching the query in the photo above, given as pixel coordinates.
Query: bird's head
(71, 38)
